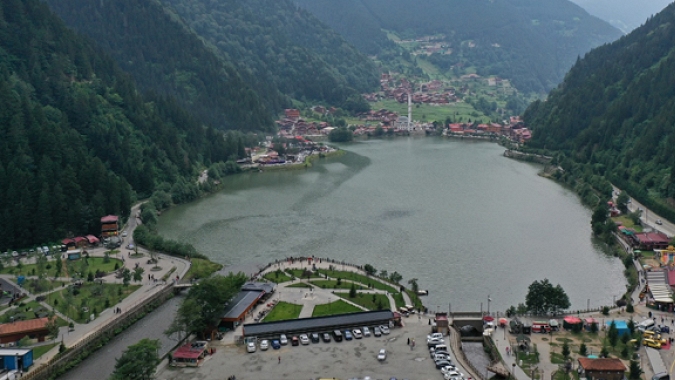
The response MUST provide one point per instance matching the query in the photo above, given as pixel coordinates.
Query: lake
(464, 220)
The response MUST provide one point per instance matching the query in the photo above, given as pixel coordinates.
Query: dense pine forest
(613, 117)
(281, 44)
(77, 140)
(164, 56)
(531, 42)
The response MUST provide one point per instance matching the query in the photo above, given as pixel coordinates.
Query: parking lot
(341, 360)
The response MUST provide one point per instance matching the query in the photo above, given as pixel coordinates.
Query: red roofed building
(605, 369)
(190, 354)
(292, 114)
(648, 241)
(109, 225)
(33, 328)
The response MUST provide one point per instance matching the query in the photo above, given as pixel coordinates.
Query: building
(648, 241)
(19, 359)
(32, 328)
(249, 296)
(191, 354)
(605, 369)
(109, 226)
(318, 324)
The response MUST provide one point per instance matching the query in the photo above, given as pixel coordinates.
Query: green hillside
(613, 116)
(166, 57)
(76, 138)
(282, 45)
(531, 42)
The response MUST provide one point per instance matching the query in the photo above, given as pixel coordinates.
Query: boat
(422, 292)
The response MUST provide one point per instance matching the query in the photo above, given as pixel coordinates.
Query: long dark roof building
(307, 325)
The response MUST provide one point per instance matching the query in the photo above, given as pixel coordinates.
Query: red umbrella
(488, 318)
(503, 321)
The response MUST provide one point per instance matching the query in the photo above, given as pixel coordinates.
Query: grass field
(369, 301)
(365, 280)
(41, 350)
(91, 297)
(30, 310)
(277, 276)
(425, 112)
(283, 311)
(302, 273)
(332, 284)
(92, 265)
(333, 308)
(201, 268)
(627, 222)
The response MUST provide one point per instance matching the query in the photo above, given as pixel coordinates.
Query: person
(408, 341)
(279, 359)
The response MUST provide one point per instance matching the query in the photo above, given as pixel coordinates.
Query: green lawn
(417, 302)
(426, 112)
(332, 284)
(627, 222)
(37, 286)
(277, 276)
(369, 301)
(27, 311)
(299, 285)
(41, 350)
(283, 311)
(302, 273)
(94, 297)
(398, 298)
(365, 280)
(333, 308)
(92, 265)
(201, 268)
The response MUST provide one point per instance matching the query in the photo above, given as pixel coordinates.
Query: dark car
(314, 337)
(337, 335)
(326, 337)
(348, 335)
(295, 341)
(275, 344)
(442, 363)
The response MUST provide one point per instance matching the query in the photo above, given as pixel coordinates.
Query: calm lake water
(458, 216)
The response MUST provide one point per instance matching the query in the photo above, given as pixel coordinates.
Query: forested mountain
(623, 14)
(615, 112)
(282, 45)
(531, 42)
(76, 138)
(166, 57)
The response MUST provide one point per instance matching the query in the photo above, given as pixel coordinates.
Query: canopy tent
(569, 322)
(488, 318)
(621, 326)
(661, 293)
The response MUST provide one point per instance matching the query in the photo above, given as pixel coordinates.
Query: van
(645, 325)
(337, 336)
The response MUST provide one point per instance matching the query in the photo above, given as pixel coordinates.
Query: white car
(304, 340)
(283, 340)
(659, 222)
(366, 331)
(384, 329)
(438, 357)
(382, 356)
(452, 375)
(264, 345)
(357, 334)
(250, 347)
(124, 233)
(435, 336)
(447, 369)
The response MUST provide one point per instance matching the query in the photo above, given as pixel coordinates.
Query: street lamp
(489, 299)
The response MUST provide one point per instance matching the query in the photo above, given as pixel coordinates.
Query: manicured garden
(201, 268)
(334, 308)
(334, 284)
(283, 311)
(277, 276)
(68, 268)
(302, 273)
(363, 279)
(41, 350)
(27, 311)
(79, 302)
(369, 301)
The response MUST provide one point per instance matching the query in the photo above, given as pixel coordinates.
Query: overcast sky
(623, 14)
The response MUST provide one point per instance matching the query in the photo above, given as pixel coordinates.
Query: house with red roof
(109, 225)
(603, 368)
(17, 330)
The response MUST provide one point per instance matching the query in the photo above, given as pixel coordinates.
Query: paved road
(649, 217)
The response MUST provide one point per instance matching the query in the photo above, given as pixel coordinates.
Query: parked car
(382, 356)
(250, 347)
(357, 334)
(283, 340)
(659, 222)
(453, 375)
(434, 336)
(366, 331)
(442, 356)
(442, 363)
(326, 337)
(348, 335)
(434, 341)
(295, 341)
(45, 249)
(449, 368)
(337, 335)
(264, 345)
(377, 332)
(314, 337)
(275, 344)
(304, 339)
(384, 329)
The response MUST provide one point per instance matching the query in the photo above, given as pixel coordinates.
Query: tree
(352, 291)
(622, 202)
(583, 350)
(138, 274)
(126, 276)
(630, 308)
(613, 334)
(58, 266)
(187, 316)
(413, 285)
(542, 297)
(209, 296)
(599, 218)
(53, 326)
(395, 277)
(594, 327)
(565, 349)
(40, 265)
(634, 370)
(384, 274)
(604, 352)
(138, 361)
(369, 269)
(631, 326)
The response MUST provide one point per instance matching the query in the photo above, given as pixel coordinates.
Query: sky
(625, 15)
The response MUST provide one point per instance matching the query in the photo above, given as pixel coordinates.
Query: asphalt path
(649, 217)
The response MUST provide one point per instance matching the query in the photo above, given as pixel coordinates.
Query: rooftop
(236, 307)
(605, 364)
(23, 326)
(361, 318)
